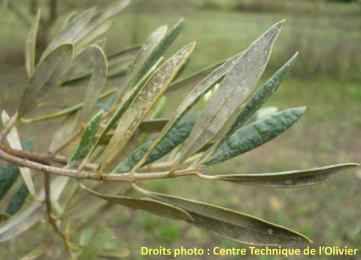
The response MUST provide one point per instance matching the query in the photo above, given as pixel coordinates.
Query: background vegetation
(326, 79)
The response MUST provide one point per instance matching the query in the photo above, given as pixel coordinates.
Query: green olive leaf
(144, 102)
(263, 94)
(288, 178)
(8, 176)
(49, 73)
(155, 207)
(30, 45)
(17, 200)
(234, 225)
(255, 134)
(87, 139)
(175, 137)
(239, 83)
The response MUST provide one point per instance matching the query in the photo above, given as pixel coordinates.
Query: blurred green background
(326, 78)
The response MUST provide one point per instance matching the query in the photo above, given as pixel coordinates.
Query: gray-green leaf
(263, 94)
(155, 207)
(287, 178)
(223, 106)
(237, 226)
(87, 139)
(48, 73)
(17, 200)
(30, 46)
(144, 101)
(253, 135)
(175, 137)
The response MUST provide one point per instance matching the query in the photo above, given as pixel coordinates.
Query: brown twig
(124, 177)
(47, 159)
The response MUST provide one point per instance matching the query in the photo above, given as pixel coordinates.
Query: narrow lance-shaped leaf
(71, 32)
(144, 101)
(196, 93)
(17, 200)
(155, 207)
(237, 226)
(8, 176)
(146, 54)
(153, 50)
(189, 82)
(64, 112)
(15, 143)
(175, 137)
(30, 45)
(97, 81)
(233, 91)
(86, 140)
(49, 73)
(124, 103)
(253, 135)
(263, 94)
(287, 178)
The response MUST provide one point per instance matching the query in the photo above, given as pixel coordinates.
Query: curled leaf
(48, 73)
(155, 207)
(97, 81)
(237, 226)
(288, 178)
(255, 134)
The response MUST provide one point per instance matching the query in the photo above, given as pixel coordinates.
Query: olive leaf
(155, 207)
(263, 94)
(22, 221)
(30, 45)
(65, 112)
(8, 176)
(233, 91)
(196, 93)
(124, 103)
(15, 143)
(255, 134)
(153, 49)
(48, 73)
(175, 137)
(146, 57)
(86, 140)
(237, 226)
(85, 27)
(287, 178)
(17, 200)
(72, 32)
(97, 81)
(187, 83)
(144, 101)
